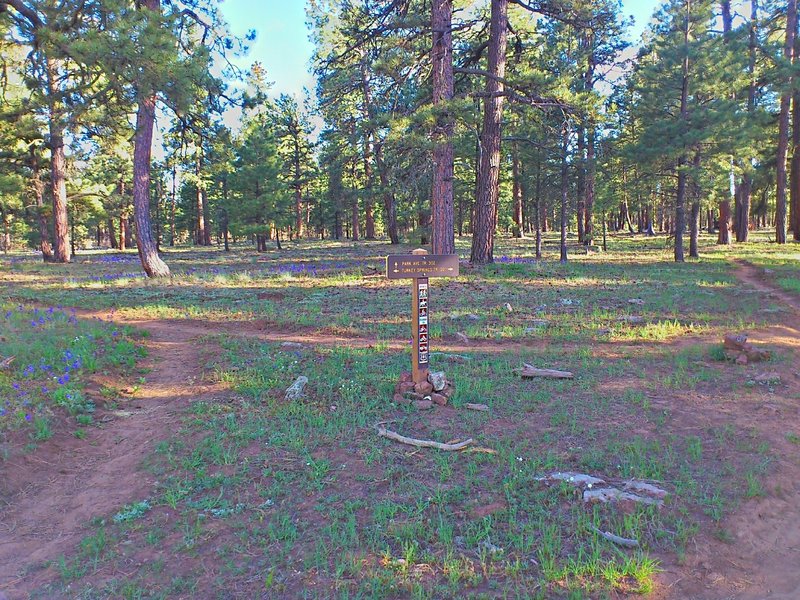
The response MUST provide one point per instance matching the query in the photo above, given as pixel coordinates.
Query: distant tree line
(439, 119)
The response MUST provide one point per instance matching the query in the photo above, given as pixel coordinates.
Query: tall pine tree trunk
(680, 199)
(442, 217)
(564, 189)
(516, 189)
(746, 192)
(794, 175)
(389, 201)
(580, 188)
(58, 169)
(724, 236)
(143, 140)
(783, 127)
(694, 224)
(173, 201)
(142, 143)
(41, 215)
(489, 180)
(591, 167)
(369, 216)
(58, 184)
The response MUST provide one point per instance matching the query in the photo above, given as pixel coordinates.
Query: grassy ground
(257, 496)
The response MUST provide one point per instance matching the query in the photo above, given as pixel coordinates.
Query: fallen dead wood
(615, 539)
(480, 407)
(6, 362)
(393, 435)
(528, 371)
(481, 450)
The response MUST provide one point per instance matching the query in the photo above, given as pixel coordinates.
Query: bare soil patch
(760, 550)
(50, 497)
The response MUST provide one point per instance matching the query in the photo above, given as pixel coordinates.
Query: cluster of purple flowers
(517, 260)
(37, 318)
(118, 258)
(34, 377)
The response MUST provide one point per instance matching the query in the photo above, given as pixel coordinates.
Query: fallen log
(529, 371)
(615, 539)
(480, 407)
(393, 435)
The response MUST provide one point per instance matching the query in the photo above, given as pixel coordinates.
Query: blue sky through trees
(282, 44)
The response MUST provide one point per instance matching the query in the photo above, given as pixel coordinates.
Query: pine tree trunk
(580, 188)
(794, 175)
(58, 183)
(516, 187)
(173, 201)
(591, 167)
(680, 200)
(124, 236)
(200, 222)
(442, 230)
(389, 202)
(746, 192)
(564, 190)
(145, 117)
(489, 181)
(783, 128)
(58, 169)
(142, 143)
(694, 224)
(297, 184)
(38, 192)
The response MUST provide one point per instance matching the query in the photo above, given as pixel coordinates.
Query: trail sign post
(419, 266)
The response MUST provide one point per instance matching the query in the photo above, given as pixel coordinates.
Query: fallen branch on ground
(528, 371)
(392, 435)
(620, 541)
(480, 407)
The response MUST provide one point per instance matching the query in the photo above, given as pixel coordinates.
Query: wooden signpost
(419, 266)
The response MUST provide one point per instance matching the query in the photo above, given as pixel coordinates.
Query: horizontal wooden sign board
(416, 266)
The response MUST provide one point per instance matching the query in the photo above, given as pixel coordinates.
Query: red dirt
(761, 560)
(51, 497)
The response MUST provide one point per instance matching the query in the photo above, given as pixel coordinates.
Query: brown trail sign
(419, 266)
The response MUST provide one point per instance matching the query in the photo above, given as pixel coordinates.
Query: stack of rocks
(436, 390)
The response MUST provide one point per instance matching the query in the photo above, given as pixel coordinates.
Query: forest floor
(185, 474)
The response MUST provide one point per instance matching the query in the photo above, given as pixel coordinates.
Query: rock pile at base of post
(437, 390)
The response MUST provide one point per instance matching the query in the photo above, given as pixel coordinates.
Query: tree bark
(694, 224)
(746, 191)
(389, 202)
(145, 117)
(591, 167)
(516, 187)
(794, 175)
(783, 127)
(580, 184)
(442, 218)
(724, 235)
(489, 182)
(38, 193)
(173, 201)
(680, 199)
(58, 169)
(142, 143)
(564, 190)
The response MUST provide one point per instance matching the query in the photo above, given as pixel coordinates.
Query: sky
(282, 44)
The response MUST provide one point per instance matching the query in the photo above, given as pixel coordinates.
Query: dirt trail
(760, 560)
(51, 496)
(48, 500)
